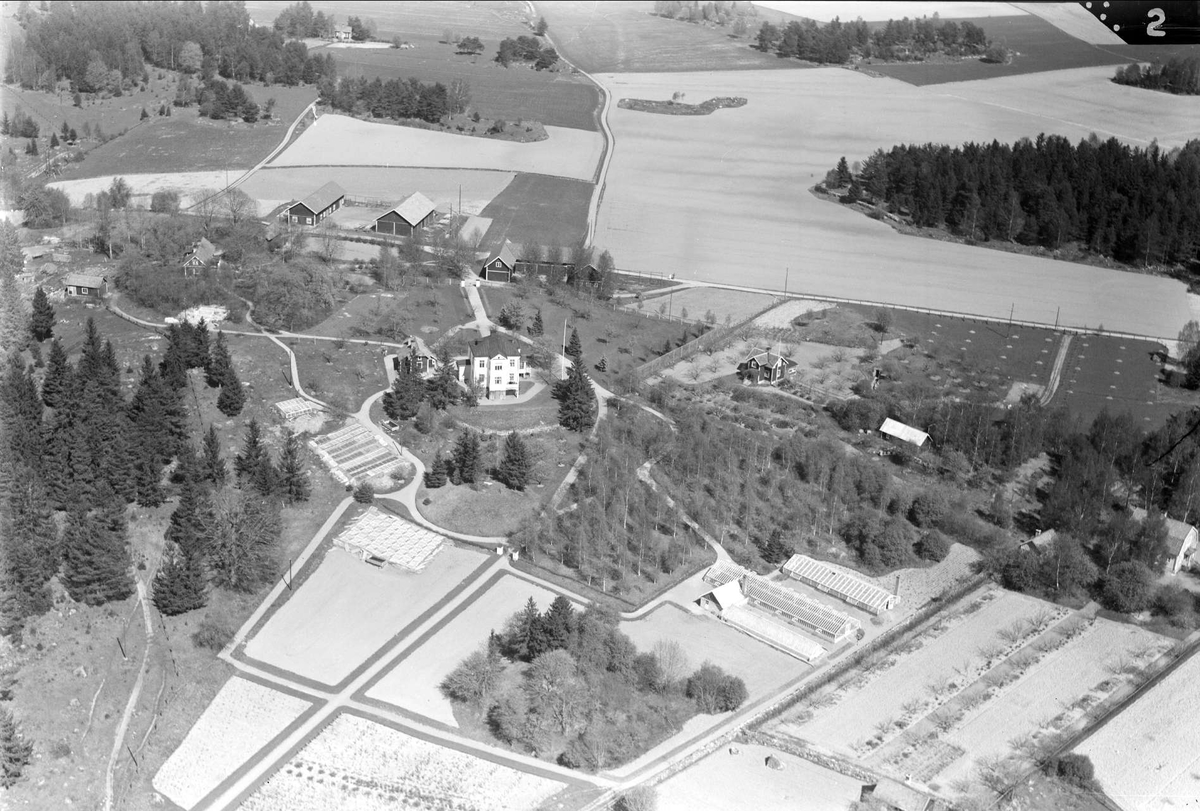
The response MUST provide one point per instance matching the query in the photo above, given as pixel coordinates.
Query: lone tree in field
(15, 750)
(516, 466)
(574, 349)
(541, 27)
(404, 399)
(576, 400)
(537, 327)
(42, 322)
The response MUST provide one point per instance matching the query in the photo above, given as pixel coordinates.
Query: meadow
(724, 198)
(540, 210)
(1117, 374)
(338, 140)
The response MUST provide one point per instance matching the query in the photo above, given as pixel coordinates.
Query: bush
(638, 798)
(929, 507)
(214, 633)
(1073, 769)
(932, 546)
(364, 493)
(1128, 587)
(1174, 603)
(714, 690)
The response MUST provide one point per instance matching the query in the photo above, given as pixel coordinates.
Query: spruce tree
(516, 466)
(577, 401)
(14, 319)
(58, 374)
(537, 327)
(96, 563)
(42, 321)
(574, 347)
(15, 750)
(602, 366)
(435, 476)
(266, 478)
(232, 397)
(147, 481)
(181, 582)
(443, 390)
(149, 413)
(293, 478)
(404, 399)
(32, 548)
(253, 451)
(466, 457)
(219, 362)
(212, 466)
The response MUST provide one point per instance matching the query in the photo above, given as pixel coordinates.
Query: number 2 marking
(1154, 27)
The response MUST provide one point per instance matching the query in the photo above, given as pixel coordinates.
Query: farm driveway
(338, 140)
(723, 198)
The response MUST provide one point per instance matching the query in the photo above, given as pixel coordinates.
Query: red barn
(414, 212)
(317, 206)
(83, 285)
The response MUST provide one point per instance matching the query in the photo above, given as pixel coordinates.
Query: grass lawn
(538, 210)
(627, 38)
(423, 309)
(540, 412)
(695, 303)
(625, 339)
(341, 374)
(185, 142)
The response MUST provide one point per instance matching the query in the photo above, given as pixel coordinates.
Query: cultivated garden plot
(412, 684)
(360, 765)
(695, 303)
(743, 780)
(348, 609)
(719, 197)
(1119, 374)
(241, 719)
(860, 715)
(1146, 757)
(475, 188)
(339, 140)
(705, 638)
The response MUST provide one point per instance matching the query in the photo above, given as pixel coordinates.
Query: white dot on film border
(1106, 3)
(1116, 28)
(1089, 5)
(1103, 17)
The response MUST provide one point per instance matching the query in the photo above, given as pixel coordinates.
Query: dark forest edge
(1180, 75)
(1139, 207)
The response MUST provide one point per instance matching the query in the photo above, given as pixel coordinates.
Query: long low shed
(845, 587)
(814, 617)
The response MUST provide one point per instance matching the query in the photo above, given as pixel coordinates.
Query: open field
(338, 140)
(112, 115)
(511, 94)
(184, 142)
(538, 210)
(144, 185)
(626, 37)
(1146, 757)
(1121, 375)
(705, 638)
(361, 765)
(412, 683)
(726, 306)
(347, 610)
(719, 198)
(242, 718)
(273, 186)
(428, 310)
(724, 780)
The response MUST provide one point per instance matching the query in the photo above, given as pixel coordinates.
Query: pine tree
(42, 322)
(443, 391)
(574, 347)
(435, 476)
(364, 493)
(466, 458)
(293, 478)
(58, 373)
(232, 397)
(266, 478)
(406, 395)
(212, 466)
(516, 466)
(219, 362)
(96, 563)
(180, 585)
(54, 140)
(253, 451)
(602, 366)
(537, 327)
(32, 548)
(577, 401)
(173, 367)
(14, 320)
(195, 344)
(147, 481)
(149, 413)
(15, 750)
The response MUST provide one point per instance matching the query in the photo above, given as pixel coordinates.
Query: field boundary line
(1056, 372)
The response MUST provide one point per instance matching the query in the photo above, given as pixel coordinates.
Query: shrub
(1073, 769)
(1174, 603)
(364, 493)
(929, 507)
(638, 798)
(933, 546)
(714, 690)
(1128, 587)
(214, 633)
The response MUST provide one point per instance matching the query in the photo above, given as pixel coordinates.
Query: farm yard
(538, 210)
(626, 37)
(338, 140)
(272, 186)
(412, 683)
(667, 205)
(742, 779)
(242, 718)
(347, 610)
(361, 765)
(1145, 757)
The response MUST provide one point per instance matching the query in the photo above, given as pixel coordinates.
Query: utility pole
(1011, 310)
(786, 272)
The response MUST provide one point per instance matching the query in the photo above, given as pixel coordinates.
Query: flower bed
(241, 719)
(360, 765)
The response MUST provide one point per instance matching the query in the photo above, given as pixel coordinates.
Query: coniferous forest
(1138, 206)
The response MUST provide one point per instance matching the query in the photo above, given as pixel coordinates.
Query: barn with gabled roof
(499, 265)
(317, 206)
(407, 217)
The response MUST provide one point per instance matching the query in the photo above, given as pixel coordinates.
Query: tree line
(899, 40)
(1127, 203)
(1179, 75)
(720, 13)
(586, 693)
(528, 50)
(99, 46)
(396, 98)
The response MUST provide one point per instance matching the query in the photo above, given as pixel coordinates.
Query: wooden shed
(499, 265)
(87, 286)
(317, 206)
(410, 215)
